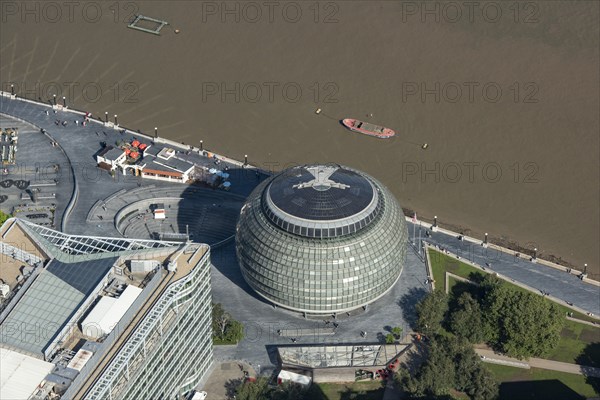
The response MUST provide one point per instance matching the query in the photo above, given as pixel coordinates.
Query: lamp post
(106, 116)
(64, 101)
(485, 239)
(116, 120)
(245, 159)
(54, 99)
(155, 132)
(201, 145)
(12, 89)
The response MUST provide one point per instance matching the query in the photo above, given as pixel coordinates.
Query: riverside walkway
(81, 143)
(559, 284)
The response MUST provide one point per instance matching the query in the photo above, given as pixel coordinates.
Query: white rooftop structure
(109, 310)
(80, 359)
(20, 374)
(293, 377)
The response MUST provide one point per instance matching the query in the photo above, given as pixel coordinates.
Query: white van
(199, 395)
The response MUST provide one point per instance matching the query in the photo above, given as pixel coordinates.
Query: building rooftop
(48, 304)
(321, 193)
(319, 201)
(20, 374)
(175, 163)
(42, 316)
(111, 153)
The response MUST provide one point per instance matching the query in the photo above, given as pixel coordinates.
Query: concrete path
(490, 356)
(559, 284)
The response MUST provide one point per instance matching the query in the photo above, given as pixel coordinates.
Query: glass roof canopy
(84, 245)
(350, 355)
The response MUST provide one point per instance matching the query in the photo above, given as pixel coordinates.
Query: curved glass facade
(322, 273)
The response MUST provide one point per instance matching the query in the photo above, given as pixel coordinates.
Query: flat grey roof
(153, 150)
(111, 153)
(48, 304)
(156, 166)
(175, 163)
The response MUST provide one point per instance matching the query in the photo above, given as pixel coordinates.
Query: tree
(389, 338)
(451, 364)
(431, 311)
(234, 332)
(288, 391)
(397, 332)
(225, 328)
(257, 390)
(465, 319)
(520, 324)
(435, 376)
(220, 320)
(3, 217)
(483, 385)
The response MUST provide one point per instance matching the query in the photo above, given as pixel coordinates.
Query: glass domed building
(321, 239)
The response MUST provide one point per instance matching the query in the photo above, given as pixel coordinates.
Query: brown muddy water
(506, 94)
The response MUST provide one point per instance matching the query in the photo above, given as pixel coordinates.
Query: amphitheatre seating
(210, 215)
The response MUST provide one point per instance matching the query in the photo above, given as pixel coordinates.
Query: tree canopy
(260, 390)
(520, 324)
(431, 311)
(225, 328)
(3, 217)
(451, 364)
(465, 320)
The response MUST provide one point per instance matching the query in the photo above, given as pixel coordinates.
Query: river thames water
(504, 93)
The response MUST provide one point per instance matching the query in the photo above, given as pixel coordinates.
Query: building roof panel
(20, 374)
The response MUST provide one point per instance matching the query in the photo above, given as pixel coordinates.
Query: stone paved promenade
(560, 284)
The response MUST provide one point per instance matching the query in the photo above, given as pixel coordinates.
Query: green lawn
(369, 390)
(440, 263)
(579, 343)
(534, 384)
